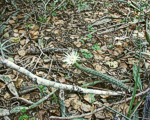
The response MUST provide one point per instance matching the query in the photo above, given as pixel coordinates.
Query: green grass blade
(135, 86)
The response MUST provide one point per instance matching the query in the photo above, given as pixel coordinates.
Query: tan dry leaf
(118, 51)
(21, 31)
(98, 56)
(16, 34)
(33, 33)
(35, 27)
(1, 84)
(56, 112)
(98, 67)
(67, 103)
(74, 36)
(104, 48)
(40, 114)
(15, 30)
(62, 80)
(78, 44)
(11, 21)
(132, 61)
(26, 96)
(48, 30)
(77, 71)
(59, 22)
(46, 38)
(76, 104)
(147, 64)
(22, 42)
(107, 58)
(85, 107)
(18, 82)
(104, 96)
(21, 52)
(73, 96)
(100, 115)
(88, 19)
(40, 73)
(88, 98)
(123, 66)
(118, 44)
(57, 32)
(7, 95)
(124, 108)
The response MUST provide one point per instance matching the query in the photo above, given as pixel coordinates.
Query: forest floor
(110, 36)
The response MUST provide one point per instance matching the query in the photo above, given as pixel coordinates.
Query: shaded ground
(107, 36)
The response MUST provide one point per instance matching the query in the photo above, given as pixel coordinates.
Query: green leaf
(23, 110)
(89, 36)
(139, 85)
(25, 116)
(147, 34)
(21, 118)
(82, 41)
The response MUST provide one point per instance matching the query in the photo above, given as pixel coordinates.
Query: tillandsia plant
(73, 57)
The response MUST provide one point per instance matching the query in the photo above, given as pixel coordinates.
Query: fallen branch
(40, 81)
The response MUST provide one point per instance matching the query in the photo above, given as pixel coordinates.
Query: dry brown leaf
(62, 80)
(88, 19)
(15, 30)
(56, 112)
(40, 114)
(88, 98)
(98, 67)
(98, 56)
(85, 107)
(1, 84)
(35, 27)
(73, 96)
(123, 108)
(123, 66)
(77, 71)
(118, 44)
(76, 104)
(59, 22)
(74, 36)
(22, 42)
(16, 34)
(40, 73)
(147, 64)
(21, 52)
(78, 44)
(18, 82)
(100, 115)
(67, 103)
(46, 38)
(57, 32)
(33, 33)
(26, 96)
(7, 95)
(21, 31)
(11, 21)
(132, 61)
(107, 58)
(104, 96)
